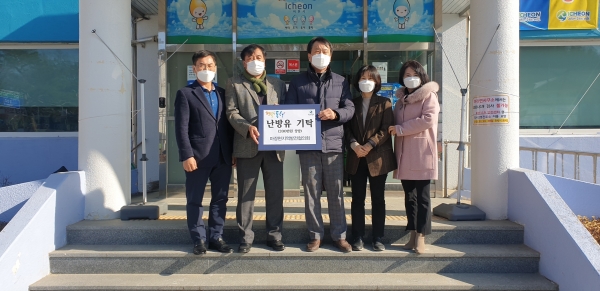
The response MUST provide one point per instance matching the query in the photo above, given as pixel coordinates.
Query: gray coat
(330, 91)
(242, 111)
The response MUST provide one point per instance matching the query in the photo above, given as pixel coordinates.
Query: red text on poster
(293, 65)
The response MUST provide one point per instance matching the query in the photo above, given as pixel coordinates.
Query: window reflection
(38, 90)
(553, 81)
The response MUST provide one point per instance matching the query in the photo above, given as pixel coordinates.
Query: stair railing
(557, 157)
(554, 154)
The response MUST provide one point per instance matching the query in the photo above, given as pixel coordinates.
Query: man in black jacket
(319, 85)
(205, 141)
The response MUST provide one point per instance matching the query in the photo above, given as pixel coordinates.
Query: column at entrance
(105, 105)
(495, 135)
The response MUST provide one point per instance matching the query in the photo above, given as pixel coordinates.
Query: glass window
(344, 63)
(553, 80)
(39, 90)
(395, 59)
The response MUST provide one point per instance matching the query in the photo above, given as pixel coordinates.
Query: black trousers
(195, 182)
(359, 193)
(417, 201)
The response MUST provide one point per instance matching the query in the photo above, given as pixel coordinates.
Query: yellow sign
(573, 14)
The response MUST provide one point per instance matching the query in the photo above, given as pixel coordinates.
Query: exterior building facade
(39, 55)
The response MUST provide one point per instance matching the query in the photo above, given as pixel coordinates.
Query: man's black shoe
(277, 245)
(199, 248)
(219, 245)
(358, 244)
(378, 244)
(244, 248)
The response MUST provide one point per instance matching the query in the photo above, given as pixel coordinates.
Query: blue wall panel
(25, 159)
(39, 21)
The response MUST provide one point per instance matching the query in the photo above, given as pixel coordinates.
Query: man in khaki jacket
(244, 93)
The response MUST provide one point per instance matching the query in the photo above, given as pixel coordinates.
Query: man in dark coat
(319, 85)
(205, 141)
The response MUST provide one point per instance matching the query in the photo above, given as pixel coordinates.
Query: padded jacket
(330, 90)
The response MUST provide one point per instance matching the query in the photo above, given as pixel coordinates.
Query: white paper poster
(490, 110)
(382, 68)
(191, 77)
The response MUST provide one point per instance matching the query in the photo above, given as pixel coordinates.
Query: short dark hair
(418, 69)
(372, 73)
(321, 40)
(203, 54)
(249, 50)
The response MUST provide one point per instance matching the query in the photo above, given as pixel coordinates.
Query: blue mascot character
(401, 9)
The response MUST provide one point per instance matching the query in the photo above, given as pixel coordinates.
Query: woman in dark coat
(370, 155)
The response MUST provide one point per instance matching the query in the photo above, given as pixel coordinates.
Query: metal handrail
(534, 159)
(576, 155)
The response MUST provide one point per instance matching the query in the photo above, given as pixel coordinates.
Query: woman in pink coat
(416, 119)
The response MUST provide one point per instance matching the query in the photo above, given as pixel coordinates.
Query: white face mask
(205, 76)
(412, 82)
(255, 67)
(320, 61)
(366, 86)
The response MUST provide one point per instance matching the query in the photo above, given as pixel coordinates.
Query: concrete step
(178, 259)
(296, 205)
(154, 232)
(321, 281)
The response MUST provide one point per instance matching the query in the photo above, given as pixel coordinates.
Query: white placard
(490, 110)
(162, 44)
(191, 77)
(292, 126)
(382, 68)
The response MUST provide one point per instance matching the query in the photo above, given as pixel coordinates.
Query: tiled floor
(293, 206)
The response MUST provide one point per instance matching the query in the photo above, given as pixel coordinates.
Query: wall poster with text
(573, 14)
(400, 21)
(558, 14)
(533, 15)
(297, 21)
(199, 21)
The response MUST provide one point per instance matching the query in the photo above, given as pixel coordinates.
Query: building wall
(39, 21)
(25, 159)
(33, 156)
(583, 198)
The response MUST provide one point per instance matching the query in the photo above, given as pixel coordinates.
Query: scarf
(258, 83)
